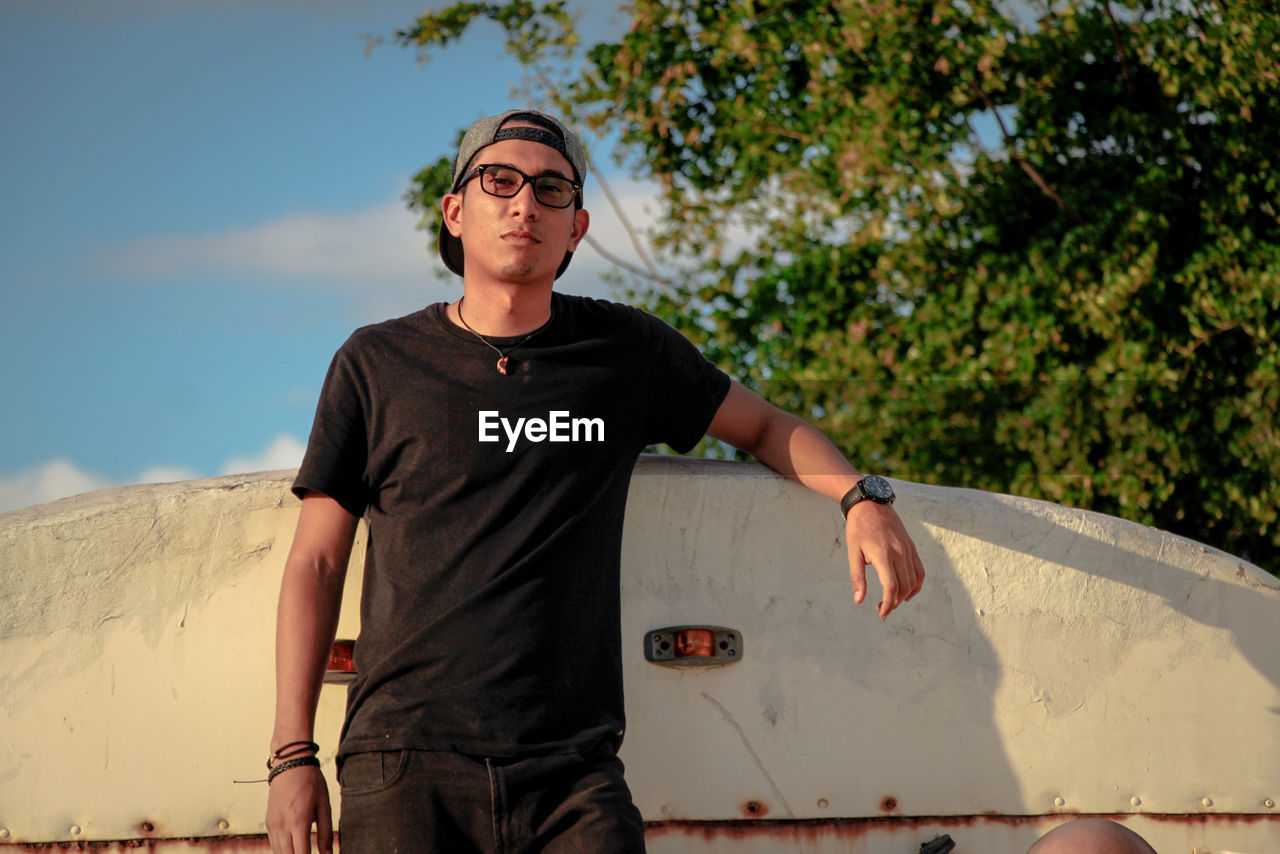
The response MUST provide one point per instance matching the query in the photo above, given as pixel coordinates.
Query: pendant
(502, 366)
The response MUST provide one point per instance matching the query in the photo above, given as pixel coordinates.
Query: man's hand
(298, 799)
(798, 450)
(876, 536)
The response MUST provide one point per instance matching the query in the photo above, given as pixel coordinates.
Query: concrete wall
(1058, 662)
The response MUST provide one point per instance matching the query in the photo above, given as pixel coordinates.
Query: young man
(489, 443)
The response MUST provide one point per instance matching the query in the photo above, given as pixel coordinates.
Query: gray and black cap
(548, 131)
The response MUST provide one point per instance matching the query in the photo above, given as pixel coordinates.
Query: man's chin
(524, 273)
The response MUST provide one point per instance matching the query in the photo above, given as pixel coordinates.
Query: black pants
(418, 802)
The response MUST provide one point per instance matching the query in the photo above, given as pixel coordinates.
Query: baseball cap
(548, 131)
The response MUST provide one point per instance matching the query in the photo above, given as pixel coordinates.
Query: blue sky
(202, 200)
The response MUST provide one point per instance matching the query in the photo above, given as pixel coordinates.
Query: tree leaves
(1036, 256)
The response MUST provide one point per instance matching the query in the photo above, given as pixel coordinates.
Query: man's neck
(502, 312)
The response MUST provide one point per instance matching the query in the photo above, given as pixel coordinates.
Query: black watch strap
(851, 498)
(873, 487)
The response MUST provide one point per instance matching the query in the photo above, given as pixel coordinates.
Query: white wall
(1058, 662)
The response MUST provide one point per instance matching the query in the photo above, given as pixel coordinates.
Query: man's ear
(581, 220)
(451, 207)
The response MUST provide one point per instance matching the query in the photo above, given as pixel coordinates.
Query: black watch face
(877, 488)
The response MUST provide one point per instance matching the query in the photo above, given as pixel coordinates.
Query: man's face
(516, 239)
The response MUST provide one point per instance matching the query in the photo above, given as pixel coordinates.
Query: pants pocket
(372, 772)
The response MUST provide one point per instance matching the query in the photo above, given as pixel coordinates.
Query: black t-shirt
(490, 614)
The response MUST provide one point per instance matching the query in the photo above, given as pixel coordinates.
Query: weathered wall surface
(136, 627)
(1058, 662)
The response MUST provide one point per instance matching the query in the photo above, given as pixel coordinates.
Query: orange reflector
(697, 643)
(342, 657)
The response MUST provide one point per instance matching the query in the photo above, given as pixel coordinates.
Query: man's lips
(520, 237)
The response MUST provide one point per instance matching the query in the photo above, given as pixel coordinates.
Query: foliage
(1039, 256)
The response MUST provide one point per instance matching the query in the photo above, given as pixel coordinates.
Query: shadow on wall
(1132, 660)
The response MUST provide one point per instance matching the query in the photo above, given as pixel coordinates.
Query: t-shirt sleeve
(338, 448)
(687, 388)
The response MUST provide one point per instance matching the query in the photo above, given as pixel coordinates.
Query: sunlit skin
(513, 246)
(1091, 836)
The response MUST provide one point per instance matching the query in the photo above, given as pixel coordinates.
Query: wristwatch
(872, 486)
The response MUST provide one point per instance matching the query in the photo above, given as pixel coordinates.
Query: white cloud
(61, 478)
(57, 478)
(642, 203)
(638, 201)
(284, 452)
(377, 253)
(350, 250)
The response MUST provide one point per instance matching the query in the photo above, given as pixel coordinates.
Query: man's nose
(525, 203)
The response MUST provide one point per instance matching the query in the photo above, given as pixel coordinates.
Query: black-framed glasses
(506, 181)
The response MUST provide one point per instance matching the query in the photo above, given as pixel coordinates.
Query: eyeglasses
(507, 181)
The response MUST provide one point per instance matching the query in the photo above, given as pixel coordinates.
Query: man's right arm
(306, 620)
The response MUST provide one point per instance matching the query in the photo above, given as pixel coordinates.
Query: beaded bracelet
(292, 749)
(296, 762)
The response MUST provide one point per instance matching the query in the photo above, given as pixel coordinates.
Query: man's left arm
(795, 448)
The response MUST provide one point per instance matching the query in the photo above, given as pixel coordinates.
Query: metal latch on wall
(341, 669)
(693, 646)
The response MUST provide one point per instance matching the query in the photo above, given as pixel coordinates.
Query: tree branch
(651, 270)
(1115, 35)
(650, 274)
(1022, 162)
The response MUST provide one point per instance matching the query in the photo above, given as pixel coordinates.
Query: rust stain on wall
(221, 844)
(799, 830)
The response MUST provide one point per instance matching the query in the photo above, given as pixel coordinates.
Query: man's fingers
(858, 575)
(324, 825)
(890, 588)
(324, 828)
(901, 578)
(918, 567)
(280, 836)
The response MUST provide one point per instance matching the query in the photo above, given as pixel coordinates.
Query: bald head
(1091, 836)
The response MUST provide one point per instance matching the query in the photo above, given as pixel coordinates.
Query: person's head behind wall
(512, 124)
(1091, 836)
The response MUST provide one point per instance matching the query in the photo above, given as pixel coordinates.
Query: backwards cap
(487, 131)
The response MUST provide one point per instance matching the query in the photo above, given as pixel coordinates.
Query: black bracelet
(297, 762)
(292, 749)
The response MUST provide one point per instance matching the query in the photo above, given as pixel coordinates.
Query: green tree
(1037, 254)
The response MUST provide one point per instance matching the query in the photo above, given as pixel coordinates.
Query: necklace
(503, 355)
